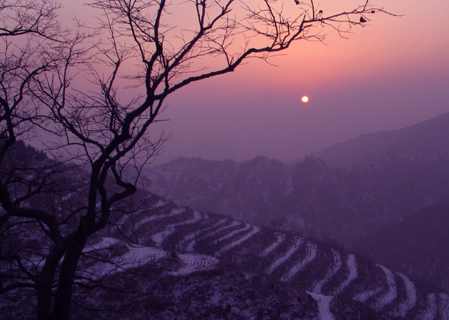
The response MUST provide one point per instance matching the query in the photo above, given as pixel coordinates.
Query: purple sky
(390, 74)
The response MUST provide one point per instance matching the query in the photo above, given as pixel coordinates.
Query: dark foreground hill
(170, 262)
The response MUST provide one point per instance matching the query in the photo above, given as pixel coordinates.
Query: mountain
(417, 245)
(342, 203)
(242, 190)
(170, 262)
(428, 139)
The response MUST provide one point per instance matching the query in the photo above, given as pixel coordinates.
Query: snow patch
(210, 234)
(411, 295)
(193, 263)
(280, 237)
(352, 266)
(237, 242)
(336, 265)
(189, 237)
(285, 257)
(158, 238)
(364, 296)
(311, 254)
(172, 213)
(324, 305)
(392, 290)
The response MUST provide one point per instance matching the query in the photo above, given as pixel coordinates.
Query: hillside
(416, 245)
(428, 139)
(176, 263)
(341, 203)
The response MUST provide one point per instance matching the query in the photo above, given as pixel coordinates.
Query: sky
(392, 73)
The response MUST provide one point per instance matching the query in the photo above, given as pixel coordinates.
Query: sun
(305, 99)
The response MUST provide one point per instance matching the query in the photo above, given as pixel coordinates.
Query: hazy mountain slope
(341, 203)
(428, 139)
(417, 245)
(242, 190)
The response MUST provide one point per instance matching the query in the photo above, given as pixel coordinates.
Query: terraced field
(329, 275)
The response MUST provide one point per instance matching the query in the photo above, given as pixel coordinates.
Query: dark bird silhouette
(363, 20)
(320, 12)
(297, 2)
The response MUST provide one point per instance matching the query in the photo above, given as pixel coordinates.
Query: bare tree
(76, 89)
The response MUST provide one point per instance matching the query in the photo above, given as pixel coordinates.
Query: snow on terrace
(352, 266)
(391, 294)
(437, 307)
(336, 265)
(365, 295)
(172, 213)
(158, 238)
(239, 241)
(193, 263)
(191, 236)
(191, 244)
(280, 237)
(134, 257)
(285, 257)
(411, 296)
(311, 254)
(324, 305)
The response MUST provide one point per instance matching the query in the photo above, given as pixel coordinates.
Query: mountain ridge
(429, 138)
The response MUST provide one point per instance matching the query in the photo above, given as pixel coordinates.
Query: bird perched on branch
(363, 20)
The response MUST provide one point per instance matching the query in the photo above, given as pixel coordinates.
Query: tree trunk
(44, 299)
(63, 298)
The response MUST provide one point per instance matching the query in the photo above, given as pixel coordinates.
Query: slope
(428, 139)
(184, 264)
(416, 245)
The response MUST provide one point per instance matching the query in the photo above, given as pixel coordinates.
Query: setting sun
(305, 99)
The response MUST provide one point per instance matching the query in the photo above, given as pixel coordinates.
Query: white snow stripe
(158, 238)
(324, 305)
(311, 254)
(352, 266)
(237, 242)
(232, 233)
(336, 265)
(193, 263)
(190, 236)
(391, 294)
(280, 237)
(172, 213)
(364, 296)
(411, 295)
(190, 245)
(284, 258)
(136, 256)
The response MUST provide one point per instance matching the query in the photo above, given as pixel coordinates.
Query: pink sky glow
(392, 73)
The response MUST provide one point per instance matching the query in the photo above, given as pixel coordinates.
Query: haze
(390, 74)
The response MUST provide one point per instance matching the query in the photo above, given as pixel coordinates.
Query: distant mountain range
(428, 139)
